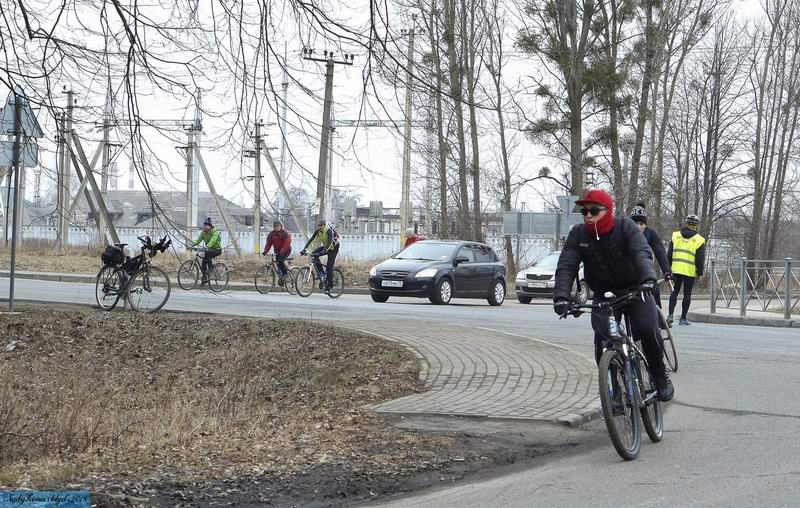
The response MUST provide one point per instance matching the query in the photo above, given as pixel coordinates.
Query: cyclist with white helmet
(687, 253)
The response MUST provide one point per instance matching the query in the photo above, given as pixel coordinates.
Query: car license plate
(392, 283)
(537, 285)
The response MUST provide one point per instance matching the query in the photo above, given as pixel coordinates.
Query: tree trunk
(442, 144)
(456, 90)
(643, 104)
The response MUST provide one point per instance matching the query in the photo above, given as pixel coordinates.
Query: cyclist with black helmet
(639, 216)
(687, 253)
(212, 239)
(328, 240)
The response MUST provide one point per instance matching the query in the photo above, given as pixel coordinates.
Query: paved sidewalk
(92, 278)
(725, 316)
(484, 373)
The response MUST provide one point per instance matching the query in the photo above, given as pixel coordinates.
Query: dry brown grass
(43, 256)
(87, 394)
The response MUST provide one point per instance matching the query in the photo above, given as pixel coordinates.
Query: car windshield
(427, 251)
(550, 261)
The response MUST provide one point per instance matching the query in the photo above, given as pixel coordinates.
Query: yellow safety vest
(683, 253)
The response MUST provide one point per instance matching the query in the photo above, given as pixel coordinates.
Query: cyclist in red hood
(615, 258)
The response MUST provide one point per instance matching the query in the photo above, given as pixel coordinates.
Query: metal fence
(772, 285)
(357, 247)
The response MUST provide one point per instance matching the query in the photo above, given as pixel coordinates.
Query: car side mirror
(460, 259)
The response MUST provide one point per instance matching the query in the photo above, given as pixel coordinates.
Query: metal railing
(773, 285)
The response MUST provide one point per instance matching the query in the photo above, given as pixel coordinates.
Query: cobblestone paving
(480, 372)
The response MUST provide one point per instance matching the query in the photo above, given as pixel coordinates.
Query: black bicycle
(144, 286)
(307, 277)
(627, 391)
(667, 341)
(267, 275)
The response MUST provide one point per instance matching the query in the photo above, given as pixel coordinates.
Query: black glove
(668, 276)
(648, 287)
(561, 307)
(264, 253)
(303, 252)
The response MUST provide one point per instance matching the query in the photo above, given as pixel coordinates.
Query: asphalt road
(732, 432)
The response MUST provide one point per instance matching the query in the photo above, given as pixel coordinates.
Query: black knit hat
(638, 214)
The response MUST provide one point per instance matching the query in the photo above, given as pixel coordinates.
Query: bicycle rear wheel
(622, 418)
(305, 281)
(667, 342)
(652, 411)
(337, 284)
(265, 279)
(148, 289)
(218, 277)
(188, 274)
(108, 287)
(288, 284)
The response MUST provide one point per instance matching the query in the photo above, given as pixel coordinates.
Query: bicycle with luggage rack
(307, 277)
(627, 392)
(136, 280)
(190, 271)
(267, 275)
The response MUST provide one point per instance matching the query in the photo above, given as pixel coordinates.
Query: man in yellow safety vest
(687, 255)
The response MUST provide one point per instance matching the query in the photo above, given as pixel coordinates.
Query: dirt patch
(42, 257)
(176, 409)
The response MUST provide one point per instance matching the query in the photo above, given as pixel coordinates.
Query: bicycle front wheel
(289, 285)
(667, 342)
(148, 289)
(652, 411)
(620, 407)
(305, 281)
(188, 273)
(265, 279)
(337, 284)
(108, 287)
(218, 277)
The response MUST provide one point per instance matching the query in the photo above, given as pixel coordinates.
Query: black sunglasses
(595, 210)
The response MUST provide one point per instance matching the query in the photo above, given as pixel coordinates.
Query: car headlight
(426, 273)
(373, 271)
(521, 275)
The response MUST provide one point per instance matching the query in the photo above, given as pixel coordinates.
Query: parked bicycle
(309, 277)
(666, 339)
(144, 286)
(267, 275)
(627, 391)
(190, 271)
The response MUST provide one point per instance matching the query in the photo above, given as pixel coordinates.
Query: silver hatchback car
(537, 281)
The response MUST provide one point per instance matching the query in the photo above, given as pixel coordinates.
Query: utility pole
(257, 189)
(16, 164)
(284, 144)
(192, 177)
(66, 171)
(104, 164)
(322, 178)
(406, 212)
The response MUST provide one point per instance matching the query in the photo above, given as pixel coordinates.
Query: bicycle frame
(622, 341)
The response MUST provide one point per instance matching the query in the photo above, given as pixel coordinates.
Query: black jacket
(620, 259)
(654, 241)
(699, 256)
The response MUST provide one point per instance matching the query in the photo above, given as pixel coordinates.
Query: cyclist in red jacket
(281, 241)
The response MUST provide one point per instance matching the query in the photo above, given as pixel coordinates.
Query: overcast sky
(367, 161)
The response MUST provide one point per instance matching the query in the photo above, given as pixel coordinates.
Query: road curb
(723, 319)
(578, 419)
(90, 279)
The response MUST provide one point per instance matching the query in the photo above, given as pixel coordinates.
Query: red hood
(606, 224)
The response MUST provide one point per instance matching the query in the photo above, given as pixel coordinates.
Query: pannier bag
(113, 255)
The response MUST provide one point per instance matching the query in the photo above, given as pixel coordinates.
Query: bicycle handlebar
(577, 309)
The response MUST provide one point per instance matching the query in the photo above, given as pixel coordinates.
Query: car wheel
(379, 298)
(524, 299)
(583, 292)
(497, 294)
(443, 293)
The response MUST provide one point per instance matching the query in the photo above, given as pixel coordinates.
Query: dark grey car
(441, 270)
